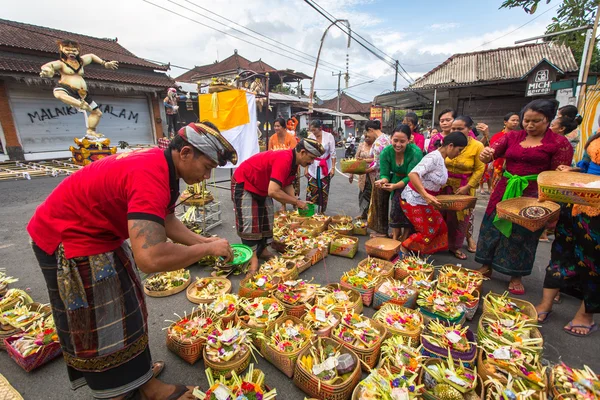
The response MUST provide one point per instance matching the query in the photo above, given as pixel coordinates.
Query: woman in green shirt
(395, 163)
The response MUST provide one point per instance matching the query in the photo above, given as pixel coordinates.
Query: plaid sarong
(101, 319)
(253, 213)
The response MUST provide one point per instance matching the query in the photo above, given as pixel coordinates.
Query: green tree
(570, 14)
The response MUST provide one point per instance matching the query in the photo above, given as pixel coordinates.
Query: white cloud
(444, 27)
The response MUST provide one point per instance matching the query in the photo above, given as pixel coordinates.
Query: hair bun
(578, 119)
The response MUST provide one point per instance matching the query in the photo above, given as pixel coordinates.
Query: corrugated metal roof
(496, 65)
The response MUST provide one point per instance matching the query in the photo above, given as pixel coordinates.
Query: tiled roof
(19, 63)
(496, 65)
(17, 35)
(348, 105)
(231, 63)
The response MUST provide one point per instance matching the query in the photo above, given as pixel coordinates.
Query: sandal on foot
(458, 254)
(516, 292)
(179, 391)
(557, 299)
(591, 329)
(545, 314)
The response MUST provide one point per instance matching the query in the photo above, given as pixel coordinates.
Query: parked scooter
(350, 147)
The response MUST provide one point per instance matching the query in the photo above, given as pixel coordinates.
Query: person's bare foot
(266, 255)
(515, 286)
(485, 270)
(543, 312)
(471, 245)
(158, 390)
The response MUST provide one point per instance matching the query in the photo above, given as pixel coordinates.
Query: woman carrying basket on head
(502, 246)
(395, 162)
(419, 203)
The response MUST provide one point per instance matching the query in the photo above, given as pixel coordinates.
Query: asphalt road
(18, 200)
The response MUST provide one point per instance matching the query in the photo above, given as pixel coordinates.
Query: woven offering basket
(428, 395)
(387, 268)
(353, 294)
(190, 351)
(401, 273)
(196, 201)
(353, 166)
(344, 250)
(296, 310)
(6, 331)
(312, 386)
(170, 292)
(359, 231)
(428, 316)
(253, 293)
(472, 306)
(365, 294)
(291, 273)
(317, 254)
(306, 264)
(336, 219)
(466, 271)
(492, 393)
(256, 331)
(510, 209)
(370, 356)
(326, 332)
(415, 335)
(191, 290)
(343, 232)
(380, 298)
(526, 307)
(467, 359)
(558, 186)
(481, 333)
(285, 362)
(46, 354)
(383, 248)
(484, 374)
(316, 226)
(456, 202)
(224, 368)
(557, 395)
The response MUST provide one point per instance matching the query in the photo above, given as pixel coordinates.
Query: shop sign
(376, 113)
(539, 81)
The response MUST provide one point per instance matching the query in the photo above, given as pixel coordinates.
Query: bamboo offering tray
(169, 292)
(456, 202)
(528, 212)
(192, 292)
(564, 187)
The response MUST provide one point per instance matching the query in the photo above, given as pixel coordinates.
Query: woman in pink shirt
(412, 120)
(445, 119)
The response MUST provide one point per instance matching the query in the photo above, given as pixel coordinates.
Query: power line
(516, 29)
(307, 56)
(349, 33)
(314, 3)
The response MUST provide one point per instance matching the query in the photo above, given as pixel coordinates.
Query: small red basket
(46, 354)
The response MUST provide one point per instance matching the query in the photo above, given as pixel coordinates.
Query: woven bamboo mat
(7, 392)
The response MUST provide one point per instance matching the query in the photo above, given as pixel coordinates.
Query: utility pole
(396, 76)
(590, 44)
(337, 117)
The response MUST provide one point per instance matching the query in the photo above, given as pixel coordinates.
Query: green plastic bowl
(309, 212)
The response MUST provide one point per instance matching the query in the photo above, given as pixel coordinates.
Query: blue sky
(418, 33)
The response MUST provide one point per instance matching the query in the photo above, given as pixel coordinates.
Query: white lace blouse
(433, 173)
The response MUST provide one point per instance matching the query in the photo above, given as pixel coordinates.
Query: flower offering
(320, 316)
(15, 295)
(260, 311)
(579, 383)
(289, 337)
(419, 279)
(295, 292)
(453, 337)
(360, 279)
(440, 303)
(373, 266)
(38, 335)
(340, 299)
(446, 380)
(413, 263)
(383, 384)
(277, 266)
(223, 344)
(224, 304)
(328, 364)
(512, 331)
(356, 330)
(164, 281)
(261, 282)
(207, 288)
(396, 290)
(249, 387)
(189, 329)
(401, 352)
(466, 279)
(21, 316)
(399, 318)
(504, 305)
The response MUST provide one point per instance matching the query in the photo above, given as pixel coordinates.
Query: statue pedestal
(91, 150)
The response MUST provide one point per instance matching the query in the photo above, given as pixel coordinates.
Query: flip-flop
(559, 301)
(591, 329)
(180, 390)
(542, 314)
(456, 254)
(516, 292)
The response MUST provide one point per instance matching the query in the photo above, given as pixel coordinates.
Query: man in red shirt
(260, 179)
(79, 238)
